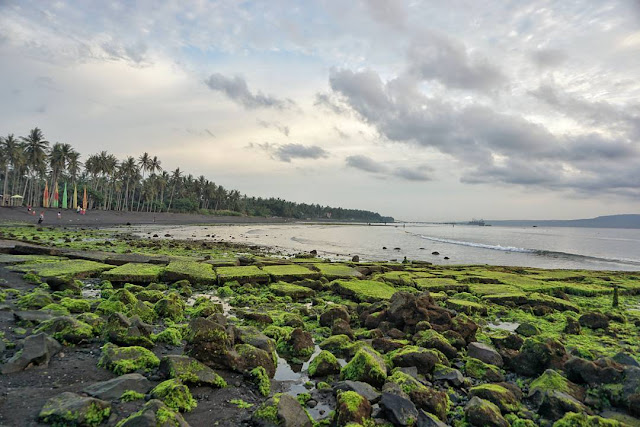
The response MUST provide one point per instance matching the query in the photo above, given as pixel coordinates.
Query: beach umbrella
(84, 199)
(45, 196)
(64, 197)
(75, 196)
(56, 197)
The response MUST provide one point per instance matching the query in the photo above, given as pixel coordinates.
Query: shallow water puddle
(504, 326)
(294, 377)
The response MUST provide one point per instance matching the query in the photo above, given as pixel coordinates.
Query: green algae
(367, 366)
(261, 379)
(134, 272)
(246, 274)
(364, 290)
(171, 336)
(290, 272)
(333, 271)
(131, 395)
(196, 273)
(175, 395)
(123, 360)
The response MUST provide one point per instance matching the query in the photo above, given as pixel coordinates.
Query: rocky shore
(98, 328)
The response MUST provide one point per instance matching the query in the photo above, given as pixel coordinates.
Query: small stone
(485, 353)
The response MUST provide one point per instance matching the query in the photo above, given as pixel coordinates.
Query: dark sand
(101, 218)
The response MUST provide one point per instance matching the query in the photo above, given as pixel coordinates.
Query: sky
(421, 110)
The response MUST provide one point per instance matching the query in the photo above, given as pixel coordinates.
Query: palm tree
(36, 148)
(11, 150)
(175, 178)
(73, 164)
(129, 171)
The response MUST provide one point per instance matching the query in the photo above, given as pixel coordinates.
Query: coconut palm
(11, 153)
(35, 147)
(176, 176)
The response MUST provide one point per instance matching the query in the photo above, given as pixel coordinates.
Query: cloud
(433, 56)
(275, 125)
(328, 102)
(388, 12)
(288, 152)
(493, 146)
(417, 174)
(365, 163)
(548, 58)
(236, 89)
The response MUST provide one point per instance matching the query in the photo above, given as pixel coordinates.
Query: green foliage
(131, 395)
(261, 378)
(175, 395)
(241, 403)
(171, 336)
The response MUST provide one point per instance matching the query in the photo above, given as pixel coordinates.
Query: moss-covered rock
(290, 290)
(363, 290)
(175, 395)
(171, 307)
(36, 299)
(170, 336)
(325, 363)
(337, 344)
(423, 359)
(481, 413)
(573, 419)
(134, 273)
(76, 305)
(72, 409)
(123, 331)
(351, 409)
(208, 342)
(246, 357)
(367, 366)
(281, 410)
(551, 380)
(204, 307)
(197, 273)
(432, 339)
(502, 397)
(477, 369)
(154, 413)
(289, 273)
(190, 371)
(122, 360)
(66, 329)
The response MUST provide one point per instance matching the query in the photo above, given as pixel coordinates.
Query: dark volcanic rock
(602, 371)
(331, 315)
(363, 389)
(537, 355)
(594, 320)
(112, 389)
(483, 413)
(398, 410)
(485, 353)
(36, 350)
(72, 409)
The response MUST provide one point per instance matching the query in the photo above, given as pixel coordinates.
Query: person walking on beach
(41, 217)
(59, 215)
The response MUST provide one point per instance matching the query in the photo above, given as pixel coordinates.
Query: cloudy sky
(423, 110)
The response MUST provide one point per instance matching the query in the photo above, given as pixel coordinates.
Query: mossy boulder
(122, 360)
(171, 307)
(537, 355)
(66, 329)
(479, 370)
(551, 380)
(351, 408)
(423, 359)
(406, 382)
(479, 412)
(594, 320)
(363, 290)
(573, 419)
(299, 345)
(123, 331)
(208, 342)
(35, 300)
(242, 275)
(367, 366)
(329, 316)
(190, 371)
(245, 357)
(527, 329)
(432, 339)
(289, 273)
(204, 307)
(502, 397)
(76, 305)
(325, 363)
(175, 395)
(431, 400)
(134, 273)
(281, 410)
(338, 344)
(72, 409)
(261, 379)
(154, 413)
(467, 307)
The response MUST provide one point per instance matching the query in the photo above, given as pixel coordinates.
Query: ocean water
(543, 247)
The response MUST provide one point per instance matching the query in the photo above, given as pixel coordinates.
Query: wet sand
(101, 218)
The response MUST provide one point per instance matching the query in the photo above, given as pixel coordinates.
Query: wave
(479, 245)
(539, 252)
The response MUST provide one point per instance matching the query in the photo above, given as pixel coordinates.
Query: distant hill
(609, 221)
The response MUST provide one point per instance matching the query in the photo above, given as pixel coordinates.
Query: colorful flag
(56, 197)
(64, 197)
(75, 196)
(45, 196)
(84, 199)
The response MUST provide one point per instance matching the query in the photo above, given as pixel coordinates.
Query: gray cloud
(492, 146)
(237, 90)
(275, 125)
(437, 57)
(288, 152)
(547, 58)
(365, 163)
(411, 174)
(388, 12)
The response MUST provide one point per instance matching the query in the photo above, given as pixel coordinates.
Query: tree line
(29, 163)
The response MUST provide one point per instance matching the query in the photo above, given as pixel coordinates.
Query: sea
(541, 247)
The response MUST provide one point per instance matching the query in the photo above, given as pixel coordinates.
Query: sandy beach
(101, 218)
